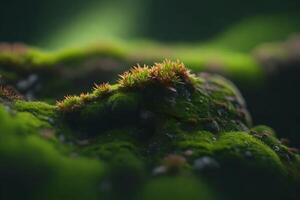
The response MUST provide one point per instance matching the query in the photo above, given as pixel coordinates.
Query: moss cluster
(160, 132)
(156, 96)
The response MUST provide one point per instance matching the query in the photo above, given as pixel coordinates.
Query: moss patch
(159, 132)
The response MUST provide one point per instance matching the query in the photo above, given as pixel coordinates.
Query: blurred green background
(53, 24)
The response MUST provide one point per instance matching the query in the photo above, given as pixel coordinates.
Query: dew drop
(206, 162)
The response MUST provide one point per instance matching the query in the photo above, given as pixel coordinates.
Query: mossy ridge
(40, 109)
(22, 57)
(167, 74)
(166, 90)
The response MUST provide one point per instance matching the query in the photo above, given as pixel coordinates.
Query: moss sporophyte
(160, 132)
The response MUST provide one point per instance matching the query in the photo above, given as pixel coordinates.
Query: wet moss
(156, 94)
(32, 168)
(177, 188)
(35, 107)
(159, 132)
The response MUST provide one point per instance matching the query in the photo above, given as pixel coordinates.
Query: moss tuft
(167, 73)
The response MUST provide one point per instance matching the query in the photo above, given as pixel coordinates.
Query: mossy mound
(149, 98)
(160, 132)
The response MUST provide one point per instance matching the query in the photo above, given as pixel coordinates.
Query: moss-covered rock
(160, 132)
(163, 95)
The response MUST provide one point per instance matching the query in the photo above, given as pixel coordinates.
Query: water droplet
(206, 162)
(50, 120)
(159, 170)
(32, 78)
(276, 148)
(221, 111)
(212, 126)
(27, 83)
(172, 89)
(248, 154)
(169, 135)
(61, 138)
(188, 152)
(30, 95)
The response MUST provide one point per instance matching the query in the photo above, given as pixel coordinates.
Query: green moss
(238, 146)
(35, 58)
(168, 91)
(177, 188)
(123, 102)
(206, 116)
(32, 168)
(160, 132)
(268, 137)
(36, 108)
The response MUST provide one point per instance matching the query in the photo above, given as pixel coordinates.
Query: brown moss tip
(166, 73)
(71, 103)
(101, 89)
(18, 48)
(9, 93)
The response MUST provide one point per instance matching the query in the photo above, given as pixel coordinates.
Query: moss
(123, 101)
(158, 127)
(35, 107)
(177, 188)
(237, 160)
(167, 73)
(71, 102)
(268, 137)
(36, 58)
(168, 91)
(238, 146)
(32, 168)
